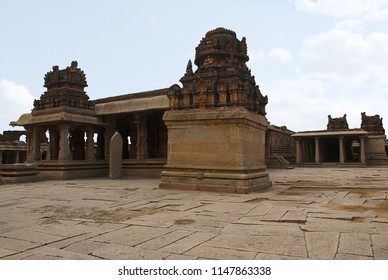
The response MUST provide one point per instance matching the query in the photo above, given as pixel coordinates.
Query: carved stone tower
(216, 122)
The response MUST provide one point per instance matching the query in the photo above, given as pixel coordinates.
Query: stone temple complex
(209, 133)
(339, 145)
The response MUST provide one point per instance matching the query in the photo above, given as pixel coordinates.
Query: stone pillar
(16, 156)
(362, 150)
(34, 144)
(109, 131)
(115, 156)
(317, 151)
(49, 151)
(53, 144)
(64, 149)
(90, 143)
(1, 157)
(298, 151)
(341, 150)
(141, 126)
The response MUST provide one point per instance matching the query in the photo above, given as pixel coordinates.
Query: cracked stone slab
(165, 240)
(122, 252)
(380, 241)
(17, 245)
(334, 225)
(84, 246)
(217, 253)
(380, 253)
(263, 229)
(227, 207)
(185, 244)
(355, 244)
(6, 252)
(255, 243)
(322, 245)
(274, 215)
(33, 236)
(294, 216)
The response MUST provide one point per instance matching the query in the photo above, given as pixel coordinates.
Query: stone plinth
(218, 149)
(17, 173)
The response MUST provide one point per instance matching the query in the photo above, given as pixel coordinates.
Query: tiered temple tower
(216, 122)
(65, 112)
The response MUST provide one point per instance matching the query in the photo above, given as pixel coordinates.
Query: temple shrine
(216, 122)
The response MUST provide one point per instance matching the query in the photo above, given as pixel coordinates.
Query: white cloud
(362, 9)
(153, 22)
(282, 54)
(341, 71)
(16, 100)
(299, 104)
(346, 57)
(351, 25)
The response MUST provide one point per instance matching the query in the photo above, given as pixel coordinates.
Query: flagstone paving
(308, 213)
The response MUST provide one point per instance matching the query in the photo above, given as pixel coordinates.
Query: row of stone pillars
(341, 150)
(140, 121)
(59, 147)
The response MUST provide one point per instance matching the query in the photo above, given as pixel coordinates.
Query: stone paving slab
(322, 245)
(308, 213)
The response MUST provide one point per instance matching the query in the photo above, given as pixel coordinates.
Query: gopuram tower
(216, 122)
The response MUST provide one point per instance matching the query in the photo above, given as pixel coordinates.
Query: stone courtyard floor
(309, 213)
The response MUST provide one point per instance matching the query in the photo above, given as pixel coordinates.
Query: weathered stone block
(225, 146)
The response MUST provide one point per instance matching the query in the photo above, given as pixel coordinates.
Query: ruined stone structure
(12, 150)
(216, 122)
(340, 145)
(13, 153)
(279, 147)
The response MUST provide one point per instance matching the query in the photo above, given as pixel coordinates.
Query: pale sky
(311, 57)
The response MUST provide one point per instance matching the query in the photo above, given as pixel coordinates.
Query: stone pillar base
(219, 150)
(209, 180)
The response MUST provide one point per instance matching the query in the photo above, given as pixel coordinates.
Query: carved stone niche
(337, 123)
(216, 122)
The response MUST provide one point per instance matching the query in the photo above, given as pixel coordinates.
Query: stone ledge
(216, 182)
